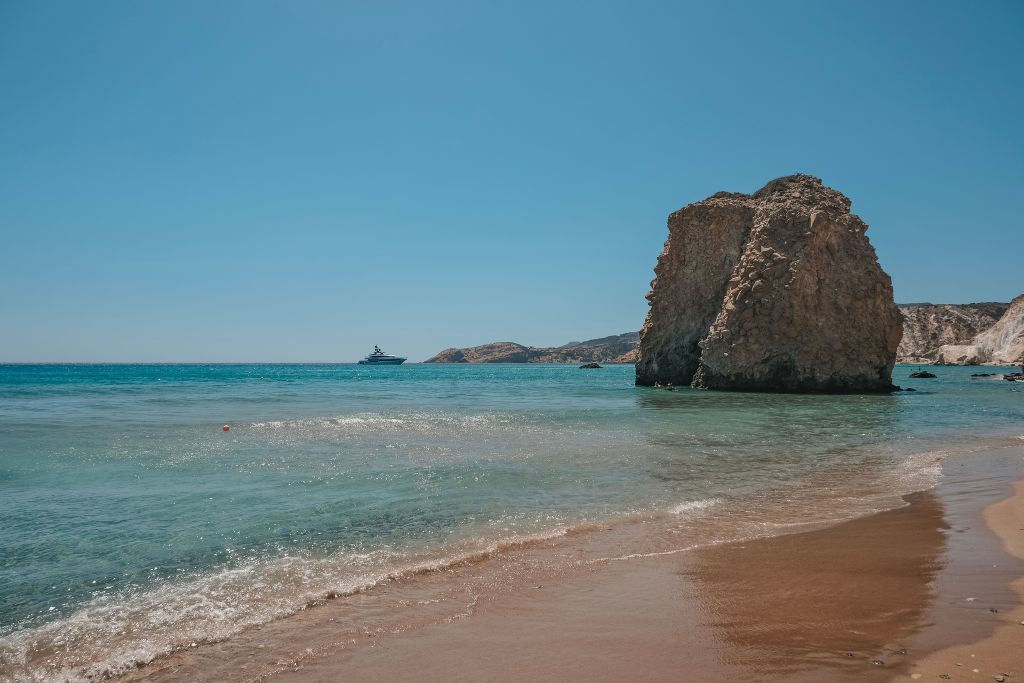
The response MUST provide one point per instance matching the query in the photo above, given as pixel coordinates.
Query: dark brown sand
(896, 594)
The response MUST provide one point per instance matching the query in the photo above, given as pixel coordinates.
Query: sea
(133, 525)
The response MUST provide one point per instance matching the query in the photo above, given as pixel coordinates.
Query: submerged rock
(775, 291)
(590, 366)
(922, 374)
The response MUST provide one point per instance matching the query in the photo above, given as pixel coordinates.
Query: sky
(298, 181)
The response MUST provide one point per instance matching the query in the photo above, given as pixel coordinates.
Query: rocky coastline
(1000, 344)
(928, 327)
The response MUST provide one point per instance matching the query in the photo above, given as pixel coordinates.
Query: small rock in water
(590, 366)
(1000, 678)
(993, 610)
(915, 676)
(878, 662)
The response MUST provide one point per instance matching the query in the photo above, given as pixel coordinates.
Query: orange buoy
(227, 428)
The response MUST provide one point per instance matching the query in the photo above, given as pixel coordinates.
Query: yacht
(378, 357)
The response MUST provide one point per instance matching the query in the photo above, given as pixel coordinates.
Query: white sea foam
(435, 424)
(694, 505)
(114, 634)
(417, 420)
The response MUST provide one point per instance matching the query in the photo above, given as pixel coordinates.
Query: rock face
(628, 358)
(619, 348)
(927, 327)
(775, 291)
(1002, 343)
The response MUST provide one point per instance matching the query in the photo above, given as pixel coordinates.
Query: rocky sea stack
(775, 291)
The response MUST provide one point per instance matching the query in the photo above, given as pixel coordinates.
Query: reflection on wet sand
(837, 597)
(859, 600)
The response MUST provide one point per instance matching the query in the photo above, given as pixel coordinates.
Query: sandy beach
(930, 589)
(1000, 654)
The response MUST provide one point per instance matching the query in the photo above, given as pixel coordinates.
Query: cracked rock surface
(775, 291)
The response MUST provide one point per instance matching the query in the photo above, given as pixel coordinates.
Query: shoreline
(1000, 655)
(615, 621)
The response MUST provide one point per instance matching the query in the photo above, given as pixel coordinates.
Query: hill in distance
(620, 348)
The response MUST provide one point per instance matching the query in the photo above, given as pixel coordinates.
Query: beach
(500, 523)
(931, 588)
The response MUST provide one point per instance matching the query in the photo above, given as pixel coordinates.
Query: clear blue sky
(294, 181)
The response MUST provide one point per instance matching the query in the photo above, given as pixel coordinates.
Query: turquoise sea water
(129, 521)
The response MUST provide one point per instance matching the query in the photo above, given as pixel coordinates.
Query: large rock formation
(775, 291)
(927, 327)
(1002, 343)
(619, 348)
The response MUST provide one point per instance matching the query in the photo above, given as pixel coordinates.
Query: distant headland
(619, 348)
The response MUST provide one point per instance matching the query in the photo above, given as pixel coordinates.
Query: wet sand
(888, 596)
(1000, 656)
